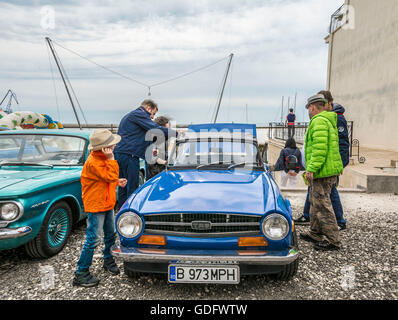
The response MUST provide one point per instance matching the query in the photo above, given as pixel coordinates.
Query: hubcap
(57, 228)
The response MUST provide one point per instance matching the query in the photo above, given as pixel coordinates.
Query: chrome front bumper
(8, 233)
(135, 255)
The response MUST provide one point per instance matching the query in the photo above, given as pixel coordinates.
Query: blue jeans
(336, 203)
(95, 223)
(129, 168)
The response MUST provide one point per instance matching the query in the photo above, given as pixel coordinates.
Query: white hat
(102, 138)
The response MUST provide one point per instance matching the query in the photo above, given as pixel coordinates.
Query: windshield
(42, 149)
(223, 153)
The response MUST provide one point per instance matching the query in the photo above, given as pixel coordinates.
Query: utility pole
(63, 79)
(283, 98)
(223, 86)
(295, 101)
(247, 117)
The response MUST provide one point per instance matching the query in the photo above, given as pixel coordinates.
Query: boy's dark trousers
(129, 168)
(290, 131)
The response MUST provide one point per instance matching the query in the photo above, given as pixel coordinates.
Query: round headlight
(9, 211)
(275, 227)
(129, 225)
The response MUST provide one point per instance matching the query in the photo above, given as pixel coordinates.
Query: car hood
(236, 191)
(18, 181)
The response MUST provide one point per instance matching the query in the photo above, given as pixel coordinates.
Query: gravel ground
(366, 267)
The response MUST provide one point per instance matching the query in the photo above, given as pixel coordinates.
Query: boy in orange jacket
(100, 177)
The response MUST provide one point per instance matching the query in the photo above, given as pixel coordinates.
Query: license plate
(203, 274)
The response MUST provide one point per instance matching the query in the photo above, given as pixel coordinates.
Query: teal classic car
(40, 189)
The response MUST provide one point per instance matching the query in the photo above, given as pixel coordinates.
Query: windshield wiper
(210, 164)
(240, 164)
(25, 164)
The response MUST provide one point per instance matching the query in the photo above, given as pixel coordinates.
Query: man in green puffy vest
(323, 166)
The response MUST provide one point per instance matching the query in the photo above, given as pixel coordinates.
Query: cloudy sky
(278, 48)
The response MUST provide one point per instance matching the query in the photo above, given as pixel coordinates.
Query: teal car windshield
(220, 152)
(41, 149)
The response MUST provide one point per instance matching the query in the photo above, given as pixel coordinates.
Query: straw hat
(103, 138)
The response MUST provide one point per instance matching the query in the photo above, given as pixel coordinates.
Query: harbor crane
(10, 95)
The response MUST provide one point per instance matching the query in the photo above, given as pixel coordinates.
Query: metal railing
(279, 131)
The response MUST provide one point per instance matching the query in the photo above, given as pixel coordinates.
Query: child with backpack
(289, 162)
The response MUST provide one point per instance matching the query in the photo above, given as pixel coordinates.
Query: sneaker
(85, 279)
(342, 227)
(301, 220)
(306, 237)
(111, 266)
(325, 246)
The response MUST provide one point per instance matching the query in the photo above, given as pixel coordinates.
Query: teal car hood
(15, 181)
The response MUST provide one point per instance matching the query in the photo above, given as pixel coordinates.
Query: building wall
(363, 71)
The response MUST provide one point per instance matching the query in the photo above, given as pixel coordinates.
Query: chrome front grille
(202, 224)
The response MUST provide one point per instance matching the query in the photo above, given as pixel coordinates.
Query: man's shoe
(342, 227)
(325, 246)
(111, 266)
(301, 220)
(307, 237)
(85, 279)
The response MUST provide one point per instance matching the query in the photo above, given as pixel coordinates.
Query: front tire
(54, 232)
(289, 270)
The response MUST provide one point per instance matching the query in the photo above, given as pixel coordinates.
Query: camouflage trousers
(322, 218)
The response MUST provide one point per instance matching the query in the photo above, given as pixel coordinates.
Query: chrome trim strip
(228, 214)
(203, 234)
(165, 258)
(14, 233)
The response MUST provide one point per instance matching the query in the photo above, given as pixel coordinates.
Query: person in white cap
(99, 179)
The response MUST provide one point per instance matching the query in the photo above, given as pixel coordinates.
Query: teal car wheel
(54, 232)
(58, 226)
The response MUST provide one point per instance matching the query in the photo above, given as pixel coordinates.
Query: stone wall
(363, 71)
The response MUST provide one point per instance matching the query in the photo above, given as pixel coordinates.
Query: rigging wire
(149, 86)
(101, 66)
(55, 88)
(70, 85)
(189, 73)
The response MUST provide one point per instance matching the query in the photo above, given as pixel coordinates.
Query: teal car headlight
(9, 211)
(129, 224)
(275, 226)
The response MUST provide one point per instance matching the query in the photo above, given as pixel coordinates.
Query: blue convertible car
(213, 215)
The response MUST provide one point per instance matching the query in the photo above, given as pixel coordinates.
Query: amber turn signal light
(155, 240)
(252, 242)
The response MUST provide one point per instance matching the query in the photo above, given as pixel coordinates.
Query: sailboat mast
(63, 79)
(223, 87)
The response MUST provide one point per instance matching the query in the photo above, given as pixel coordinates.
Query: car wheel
(54, 232)
(289, 270)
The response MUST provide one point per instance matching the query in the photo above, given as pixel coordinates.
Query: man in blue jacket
(133, 129)
(344, 148)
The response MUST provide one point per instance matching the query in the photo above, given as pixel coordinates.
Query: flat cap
(315, 98)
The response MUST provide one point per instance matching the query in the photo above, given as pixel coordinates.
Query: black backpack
(291, 163)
